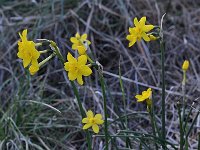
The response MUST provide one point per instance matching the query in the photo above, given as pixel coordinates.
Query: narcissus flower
(139, 31)
(27, 51)
(185, 65)
(92, 121)
(145, 96)
(77, 68)
(80, 43)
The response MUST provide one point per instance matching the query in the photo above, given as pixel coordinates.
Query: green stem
(181, 127)
(187, 118)
(153, 126)
(46, 59)
(184, 97)
(199, 142)
(124, 101)
(44, 51)
(154, 118)
(105, 108)
(191, 127)
(163, 89)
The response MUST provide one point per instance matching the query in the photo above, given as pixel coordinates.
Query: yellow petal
(90, 114)
(20, 54)
(149, 89)
(95, 128)
(129, 37)
(24, 35)
(85, 70)
(147, 28)
(132, 42)
(34, 62)
(185, 65)
(84, 37)
(86, 126)
(66, 66)
(146, 94)
(139, 98)
(136, 23)
(77, 35)
(26, 61)
(85, 120)
(98, 121)
(74, 40)
(74, 46)
(35, 53)
(98, 116)
(132, 31)
(142, 21)
(72, 75)
(80, 79)
(33, 69)
(145, 37)
(82, 60)
(81, 49)
(88, 42)
(70, 58)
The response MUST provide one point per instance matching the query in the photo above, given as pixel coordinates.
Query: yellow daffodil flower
(27, 51)
(77, 68)
(92, 121)
(139, 31)
(146, 96)
(80, 43)
(185, 65)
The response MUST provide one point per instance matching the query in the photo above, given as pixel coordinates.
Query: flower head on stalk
(77, 68)
(185, 65)
(139, 31)
(80, 43)
(145, 96)
(92, 121)
(28, 53)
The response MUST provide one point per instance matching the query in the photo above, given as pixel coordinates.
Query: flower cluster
(77, 68)
(28, 53)
(140, 32)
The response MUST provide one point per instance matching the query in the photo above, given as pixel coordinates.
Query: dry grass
(25, 123)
